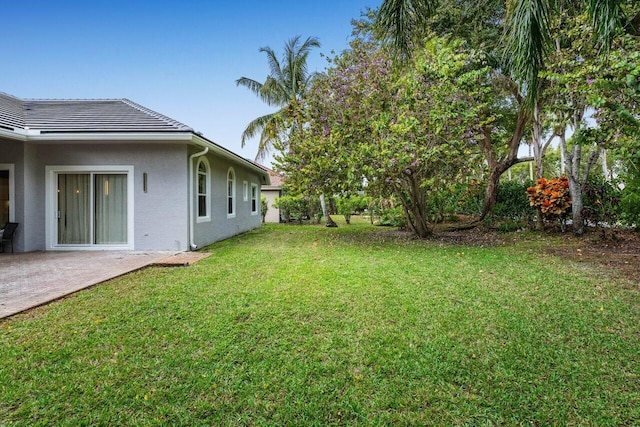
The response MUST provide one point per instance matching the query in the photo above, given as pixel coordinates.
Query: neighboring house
(112, 174)
(272, 191)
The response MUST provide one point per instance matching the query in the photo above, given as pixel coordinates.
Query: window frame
(207, 217)
(231, 193)
(245, 191)
(51, 205)
(255, 205)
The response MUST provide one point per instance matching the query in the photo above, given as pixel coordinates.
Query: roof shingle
(91, 115)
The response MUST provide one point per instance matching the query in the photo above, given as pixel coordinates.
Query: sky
(179, 58)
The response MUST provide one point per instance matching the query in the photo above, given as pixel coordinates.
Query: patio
(31, 279)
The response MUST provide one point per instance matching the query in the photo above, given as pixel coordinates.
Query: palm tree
(284, 87)
(527, 35)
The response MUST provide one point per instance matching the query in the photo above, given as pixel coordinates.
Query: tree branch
(593, 158)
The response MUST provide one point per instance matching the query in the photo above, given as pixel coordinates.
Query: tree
(521, 56)
(284, 87)
(401, 132)
(529, 38)
(527, 31)
(505, 119)
(602, 86)
(264, 206)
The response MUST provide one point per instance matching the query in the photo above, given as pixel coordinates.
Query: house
(272, 191)
(112, 174)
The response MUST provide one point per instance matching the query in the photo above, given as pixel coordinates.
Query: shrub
(630, 196)
(513, 203)
(298, 208)
(393, 217)
(264, 206)
(348, 206)
(551, 197)
(630, 205)
(509, 226)
(601, 201)
(467, 198)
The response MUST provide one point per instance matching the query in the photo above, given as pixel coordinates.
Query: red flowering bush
(551, 197)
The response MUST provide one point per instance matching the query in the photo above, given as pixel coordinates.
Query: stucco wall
(273, 213)
(221, 226)
(34, 211)
(160, 214)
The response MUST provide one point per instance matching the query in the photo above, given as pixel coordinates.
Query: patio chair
(7, 234)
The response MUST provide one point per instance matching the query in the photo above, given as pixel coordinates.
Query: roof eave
(230, 155)
(187, 137)
(109, 136)
(6, 133)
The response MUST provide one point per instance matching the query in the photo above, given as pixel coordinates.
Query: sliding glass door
(92, 209)
(5, 200)
(74, 226)
(110, 207)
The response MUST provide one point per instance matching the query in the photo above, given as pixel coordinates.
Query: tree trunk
(538, 152)
(498, 166)
(416, 221)
(328, 221)
(576, 205)
(605, 167)
(414, 204)
(576, 184)
(572, 167)
(490, 193)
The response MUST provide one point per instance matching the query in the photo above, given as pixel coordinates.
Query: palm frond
(268, 138)
(399, 20)
(295, 58)
(274, 93)
(275, 69)
(607, 16)
(256, 126)
(527, 40)
(285, 85)
(252, 85)
(271, 135)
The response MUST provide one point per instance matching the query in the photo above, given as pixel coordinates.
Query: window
(204, 188)
(245, 191)
(254, 199)
(231, 193)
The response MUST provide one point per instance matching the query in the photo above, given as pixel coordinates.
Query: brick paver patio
(35, 278)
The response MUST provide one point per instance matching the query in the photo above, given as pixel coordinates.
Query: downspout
(192, 245)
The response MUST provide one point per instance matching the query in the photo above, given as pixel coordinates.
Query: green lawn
(304, 325)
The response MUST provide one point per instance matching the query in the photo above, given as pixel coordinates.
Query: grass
(303, 325)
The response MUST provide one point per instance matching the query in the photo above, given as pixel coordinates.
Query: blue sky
(179, 58)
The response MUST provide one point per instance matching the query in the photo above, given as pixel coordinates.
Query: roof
(54, 120)
(277, 180)
(82, 115)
